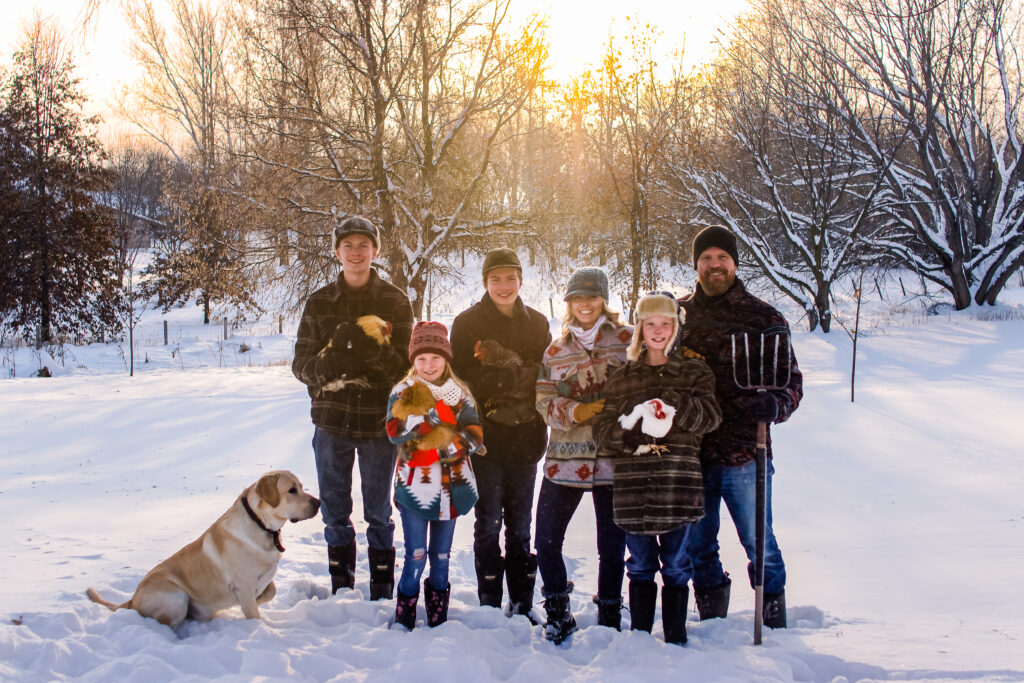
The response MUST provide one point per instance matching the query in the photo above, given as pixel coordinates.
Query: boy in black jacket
(497, 346)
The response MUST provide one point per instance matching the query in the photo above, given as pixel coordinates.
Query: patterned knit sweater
(439, 483)
(571, 375)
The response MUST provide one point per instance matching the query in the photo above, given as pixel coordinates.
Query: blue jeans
(555, 508)
(506, 495)
(736, 486)
(417, 551)
(335, 456)
(667, 552)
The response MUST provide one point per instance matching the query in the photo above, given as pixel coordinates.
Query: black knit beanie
(715, 236)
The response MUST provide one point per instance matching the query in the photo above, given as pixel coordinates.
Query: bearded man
(719, 308)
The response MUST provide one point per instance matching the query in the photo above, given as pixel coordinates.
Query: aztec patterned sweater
(571, 375)
(436, 484)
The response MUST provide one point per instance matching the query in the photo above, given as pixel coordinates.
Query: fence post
(280, 324)
(165, 333)
(225, 327)
(551, 307)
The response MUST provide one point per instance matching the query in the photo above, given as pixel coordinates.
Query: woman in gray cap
(573, 373)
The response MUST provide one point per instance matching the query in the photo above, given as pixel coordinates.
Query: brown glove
(586, 411)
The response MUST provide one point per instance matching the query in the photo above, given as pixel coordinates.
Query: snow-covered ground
(899, 515)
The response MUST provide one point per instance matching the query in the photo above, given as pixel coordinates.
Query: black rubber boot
(341, 563)
(560, 624)
(609, 612)
(713, 603)
(673, 613)
(382, 573)
(437, 604)
(521, 575)
(642, 597)
(488, 582)
(405, 610)
(775, 610)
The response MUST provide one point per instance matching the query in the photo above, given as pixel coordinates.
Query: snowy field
(900, 517)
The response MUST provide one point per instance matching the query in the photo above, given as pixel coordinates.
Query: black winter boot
(437, 603)
(673, 613)
(560, 624)
(713, 603)
(521, 575)
(609, 612)
(642, 597)
(775, 610)
(341, 563)
(382, 573)
(405, 610)
(488, 582)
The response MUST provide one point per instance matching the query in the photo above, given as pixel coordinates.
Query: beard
(716, 287)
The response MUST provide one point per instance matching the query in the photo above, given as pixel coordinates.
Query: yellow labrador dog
(232, 563)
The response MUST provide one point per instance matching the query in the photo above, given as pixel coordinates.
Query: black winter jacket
(710, 324)
(505, 395)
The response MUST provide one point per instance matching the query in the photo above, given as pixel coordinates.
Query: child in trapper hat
(656, 410)
(433, 420)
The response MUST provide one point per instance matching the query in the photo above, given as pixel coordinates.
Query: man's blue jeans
(335, 456)
(417, 550)
(506, 495)
(736, 486)
(555, 508)
(667, 552)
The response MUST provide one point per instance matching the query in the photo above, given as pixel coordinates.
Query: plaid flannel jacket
(354, 411)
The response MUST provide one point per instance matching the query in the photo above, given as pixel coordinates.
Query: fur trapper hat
(715, 236)
(655, 303)
(355, 225)
(430, 337)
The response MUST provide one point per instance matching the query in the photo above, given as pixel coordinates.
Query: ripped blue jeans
(417, 550)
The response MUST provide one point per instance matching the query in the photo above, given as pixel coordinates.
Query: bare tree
(138, 203)
(779, 166)
(948, 77)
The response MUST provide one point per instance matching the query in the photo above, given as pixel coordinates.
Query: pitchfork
(765, 377)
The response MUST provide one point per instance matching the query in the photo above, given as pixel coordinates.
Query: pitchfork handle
(761, 499)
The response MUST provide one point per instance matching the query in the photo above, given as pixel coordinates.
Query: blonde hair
(448, 373)
(568, 318)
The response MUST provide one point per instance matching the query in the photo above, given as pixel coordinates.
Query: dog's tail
(113, 607)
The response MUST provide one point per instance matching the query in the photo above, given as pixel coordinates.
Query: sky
(578, 31)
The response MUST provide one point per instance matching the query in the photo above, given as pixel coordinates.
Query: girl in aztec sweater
(570, 390)
(433, 420)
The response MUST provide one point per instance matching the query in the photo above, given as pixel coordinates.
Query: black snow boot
(521, 575)
(382, 573)
(405, 610)
(775, 610)
(341, 563)
(609, 612)
(437, 603)
(561, 623)
(488, 582)
(713, 603)
(642, 597)
(673, 613)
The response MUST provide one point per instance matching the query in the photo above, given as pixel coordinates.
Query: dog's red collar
(276, 535)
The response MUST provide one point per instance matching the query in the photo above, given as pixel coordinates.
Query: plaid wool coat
(654, 493)
(354, 411)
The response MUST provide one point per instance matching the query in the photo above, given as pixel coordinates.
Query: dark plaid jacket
(710, 324)
(353, 411)
(505, 390)
(654, 493)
